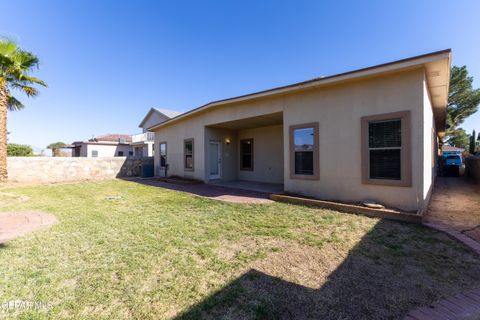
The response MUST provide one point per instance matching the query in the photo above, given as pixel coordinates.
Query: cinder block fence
(63, 169)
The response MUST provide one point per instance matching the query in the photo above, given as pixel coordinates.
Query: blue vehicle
(453, 160)
(452, 164)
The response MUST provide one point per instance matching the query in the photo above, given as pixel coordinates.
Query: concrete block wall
(64, 169)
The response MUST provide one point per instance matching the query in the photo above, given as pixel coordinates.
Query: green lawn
(157, 253)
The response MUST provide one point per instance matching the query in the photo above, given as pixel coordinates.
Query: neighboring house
(449, 150)
(110, 145)
(66, 151)
(365, 134)
(143, 143)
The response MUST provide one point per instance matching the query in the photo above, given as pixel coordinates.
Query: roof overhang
(436, 64)
(437, 75)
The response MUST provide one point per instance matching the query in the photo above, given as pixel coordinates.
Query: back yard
(156, 253)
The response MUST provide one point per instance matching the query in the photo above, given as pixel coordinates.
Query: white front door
(215, 159)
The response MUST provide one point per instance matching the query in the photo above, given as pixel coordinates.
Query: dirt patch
(16, 224)
(455, 203)
(382, 275)
(289, 260)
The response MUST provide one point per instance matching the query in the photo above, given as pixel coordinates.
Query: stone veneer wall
(62, 169)
(472, 168)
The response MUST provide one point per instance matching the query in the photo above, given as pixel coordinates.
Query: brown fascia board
(301, 85)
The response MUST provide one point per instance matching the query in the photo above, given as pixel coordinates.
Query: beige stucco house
(366, 134)
(108, 145)
(143, 143)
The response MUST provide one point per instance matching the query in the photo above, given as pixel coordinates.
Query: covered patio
(246, 154)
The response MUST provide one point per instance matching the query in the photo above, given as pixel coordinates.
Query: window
(94, 153)
(163, 154)
(130, 153)
(386, 149)
(246, 154)
(188, 154)
(304, 153)
(120, 154)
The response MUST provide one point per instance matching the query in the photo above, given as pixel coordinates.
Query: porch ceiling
(252, 122)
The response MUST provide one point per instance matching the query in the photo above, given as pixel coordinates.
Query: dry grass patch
(160, 254)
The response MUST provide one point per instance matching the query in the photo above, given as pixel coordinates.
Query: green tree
(458, 138)
(55, 146)
(463, 100)
(16, 66)
(19, 150)
(473, 142)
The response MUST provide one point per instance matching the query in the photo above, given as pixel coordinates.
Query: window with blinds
(385, 149)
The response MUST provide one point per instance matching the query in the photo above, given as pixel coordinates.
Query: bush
(19, 150)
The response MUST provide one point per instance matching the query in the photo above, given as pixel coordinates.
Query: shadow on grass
(394, 268)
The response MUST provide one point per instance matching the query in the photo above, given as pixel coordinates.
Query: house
(143, 143)
(369, 134)
(109, 145)
(448, 150)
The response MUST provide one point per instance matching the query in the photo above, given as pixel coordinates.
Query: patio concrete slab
(212, 191)
(251, 186)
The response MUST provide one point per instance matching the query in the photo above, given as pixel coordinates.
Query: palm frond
(13, 104)
(26, 60)
(28, 90)
(15, 67)
(8, 47)
(26, 79)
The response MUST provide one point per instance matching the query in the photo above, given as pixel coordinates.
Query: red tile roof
(450, 148)
(114, 137)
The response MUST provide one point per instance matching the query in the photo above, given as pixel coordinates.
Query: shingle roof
(403, 63)
(116, 137)
(166, 112)
(169, 113)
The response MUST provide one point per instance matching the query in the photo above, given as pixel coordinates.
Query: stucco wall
(268, 154)
(108, 150)
(338, 109)
(194, 127)
(428, 145)
(61, 169)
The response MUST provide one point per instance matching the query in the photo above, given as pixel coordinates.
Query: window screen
(94, 153)
(385, 149)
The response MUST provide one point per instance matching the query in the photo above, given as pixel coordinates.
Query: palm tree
(15, 66)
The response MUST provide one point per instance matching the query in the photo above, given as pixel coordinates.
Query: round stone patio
(16, 224)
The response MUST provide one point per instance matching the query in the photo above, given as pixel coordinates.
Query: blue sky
(108, 62)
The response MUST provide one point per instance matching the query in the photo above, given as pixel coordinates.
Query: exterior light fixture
(227, 140)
